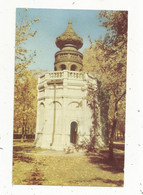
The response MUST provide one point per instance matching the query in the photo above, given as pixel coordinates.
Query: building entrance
(73, 132)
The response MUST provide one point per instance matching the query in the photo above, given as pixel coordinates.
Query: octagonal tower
(68, 58)
(64, 116)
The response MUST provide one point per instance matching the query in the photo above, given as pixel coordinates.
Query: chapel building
(64, 117)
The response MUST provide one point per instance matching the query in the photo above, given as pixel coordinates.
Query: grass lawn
(35, 166)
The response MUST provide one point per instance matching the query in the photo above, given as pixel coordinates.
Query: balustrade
(62, 75)
(75, 75)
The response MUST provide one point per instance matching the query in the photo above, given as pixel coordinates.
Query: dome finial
(69, 37)
(70, 22)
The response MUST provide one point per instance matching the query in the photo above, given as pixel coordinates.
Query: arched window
(63, 66)
(73, 67)
(73, 132)
(55, 69)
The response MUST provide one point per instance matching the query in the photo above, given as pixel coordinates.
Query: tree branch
(121, 96)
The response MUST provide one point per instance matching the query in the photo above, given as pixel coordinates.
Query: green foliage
(25, 97)
(103, 100)
(25, 103)
(23, 57)
(107, 59)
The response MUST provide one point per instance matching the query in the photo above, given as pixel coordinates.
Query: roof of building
(69, 38)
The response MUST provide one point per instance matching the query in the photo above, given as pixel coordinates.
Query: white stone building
(64, 117)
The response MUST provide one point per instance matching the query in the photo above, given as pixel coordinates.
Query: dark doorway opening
(73, 132)
(63, 67)
(73, 67)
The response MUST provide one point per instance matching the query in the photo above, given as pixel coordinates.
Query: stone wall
(62, 100)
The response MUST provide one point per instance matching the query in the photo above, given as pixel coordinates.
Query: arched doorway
(73, 132)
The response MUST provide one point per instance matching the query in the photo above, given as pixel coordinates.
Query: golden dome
(69, 38)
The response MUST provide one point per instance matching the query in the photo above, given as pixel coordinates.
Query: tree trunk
(111, 145)
(23, 131)
(113, 128)
(111, 153)
(111, 138)
(23, 134)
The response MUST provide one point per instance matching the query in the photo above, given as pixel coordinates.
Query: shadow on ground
(101, 158)
(35, 177)
(119, 146)
(118, 183)
(20, 150)
(34, 173)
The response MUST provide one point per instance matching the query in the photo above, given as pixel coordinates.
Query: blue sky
(53, 22)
